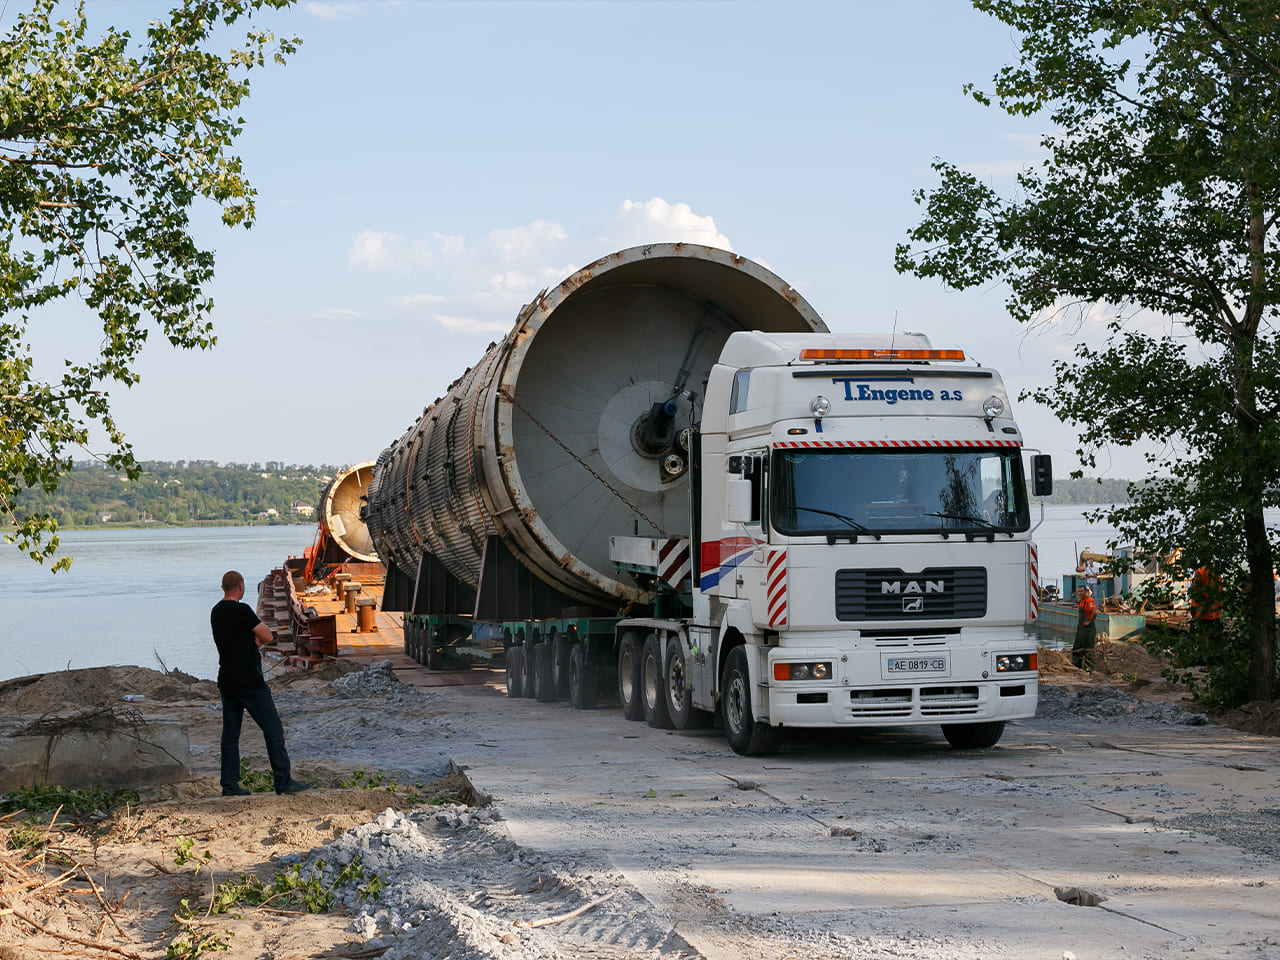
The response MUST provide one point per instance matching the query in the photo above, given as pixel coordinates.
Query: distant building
(105, 516)
(302, 509)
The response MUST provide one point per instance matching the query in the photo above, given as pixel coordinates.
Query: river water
(132, 595)
(142, 596)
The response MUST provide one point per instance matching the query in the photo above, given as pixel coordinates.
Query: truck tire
(544, 686)
(629, 678)
(652, 694)
(584, 688)
(745, 734)
(527, 675)
(560, 664)
(515, 672)
(973, 736)
(675, 684)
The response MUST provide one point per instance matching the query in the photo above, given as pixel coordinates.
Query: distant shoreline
(161, 525)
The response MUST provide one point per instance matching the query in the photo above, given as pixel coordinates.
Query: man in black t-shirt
(238, 633)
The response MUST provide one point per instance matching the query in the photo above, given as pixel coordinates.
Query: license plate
(898, 666)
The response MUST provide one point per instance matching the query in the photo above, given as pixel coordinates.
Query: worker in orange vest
(1086, 629)
(1205, 594)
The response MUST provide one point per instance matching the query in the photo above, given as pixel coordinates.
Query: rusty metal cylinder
(366, 613)
(575, 427)
(351, 592)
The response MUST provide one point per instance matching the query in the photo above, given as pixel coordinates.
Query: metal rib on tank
(569, 431)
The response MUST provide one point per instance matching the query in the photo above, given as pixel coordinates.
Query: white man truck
(672, 481)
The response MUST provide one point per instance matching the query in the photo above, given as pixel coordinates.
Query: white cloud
(417, 299)
(337, 313)
(468, 325)
(657, 221)
(330, 11)
(384, 250)
(528, 242)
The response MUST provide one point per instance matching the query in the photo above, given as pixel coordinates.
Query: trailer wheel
(629, 678)
(544, 687)
(584, 688)
(684, 715)
(560, 662)
(515, 672)
(653, 697)
(972, 736)
(745, 734)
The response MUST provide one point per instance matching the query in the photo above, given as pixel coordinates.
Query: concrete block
(97, 751)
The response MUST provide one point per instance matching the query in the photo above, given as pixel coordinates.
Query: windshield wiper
(964, 516)
(843, 519)
(991, 527)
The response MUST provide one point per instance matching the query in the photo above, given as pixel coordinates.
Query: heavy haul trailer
(671, 481)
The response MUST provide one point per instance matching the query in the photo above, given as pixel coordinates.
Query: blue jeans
(263, 710)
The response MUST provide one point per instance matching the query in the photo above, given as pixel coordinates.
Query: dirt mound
(63, 690)
(1260, 716)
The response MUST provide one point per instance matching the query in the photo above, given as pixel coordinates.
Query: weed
(256, 781)
(447, 796)
(79, 804)
(185, 853)
(365, 779)
(192, 943)
(24, 836)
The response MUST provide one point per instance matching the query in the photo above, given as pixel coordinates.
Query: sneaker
(293, 786)
(236, 791)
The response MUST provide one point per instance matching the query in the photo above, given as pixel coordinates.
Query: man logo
(912, 587)
(913, 604)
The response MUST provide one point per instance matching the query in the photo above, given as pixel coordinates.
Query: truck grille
(935, 593)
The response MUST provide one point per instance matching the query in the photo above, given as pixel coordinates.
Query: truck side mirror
(1042, 475)
(739, 499)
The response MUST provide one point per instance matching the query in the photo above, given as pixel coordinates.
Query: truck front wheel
(972, 736)
(745, 734)
(684, 715)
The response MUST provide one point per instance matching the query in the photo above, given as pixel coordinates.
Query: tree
(103, 153)
(1156, 209)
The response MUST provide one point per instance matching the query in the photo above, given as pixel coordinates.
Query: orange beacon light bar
(816, 353)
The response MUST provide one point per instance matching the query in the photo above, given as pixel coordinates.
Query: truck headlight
(802, 671)
(992, 407)
(1015, 662)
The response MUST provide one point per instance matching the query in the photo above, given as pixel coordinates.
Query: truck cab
(863, 551)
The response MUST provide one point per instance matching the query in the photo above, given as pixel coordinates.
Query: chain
(585, 466)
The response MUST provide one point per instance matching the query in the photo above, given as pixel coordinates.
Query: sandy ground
(593, 838)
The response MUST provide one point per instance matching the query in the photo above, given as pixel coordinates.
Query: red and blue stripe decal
(719, 557)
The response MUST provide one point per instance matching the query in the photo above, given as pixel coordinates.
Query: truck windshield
(904, 490)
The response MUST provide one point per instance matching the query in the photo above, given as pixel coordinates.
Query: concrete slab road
(1092, 838)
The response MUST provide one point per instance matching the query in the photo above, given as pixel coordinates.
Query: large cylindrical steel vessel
(572, 429)
(341, 506)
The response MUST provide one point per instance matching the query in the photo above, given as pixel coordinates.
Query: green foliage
(45, 798)
(1156, 210)
(24, 836)
(367, 780)
(179, 494)
(1214, 672)
(105, 146)
(256, 781)
(184, 853)
(193, 942)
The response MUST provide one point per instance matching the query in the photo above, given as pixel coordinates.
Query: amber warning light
(836, 354)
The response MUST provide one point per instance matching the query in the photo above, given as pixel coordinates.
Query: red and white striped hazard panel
(674, 561)
(776, 586)
(1034, 567)
(894, 444)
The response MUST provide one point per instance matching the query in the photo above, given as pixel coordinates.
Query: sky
(423, 169)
